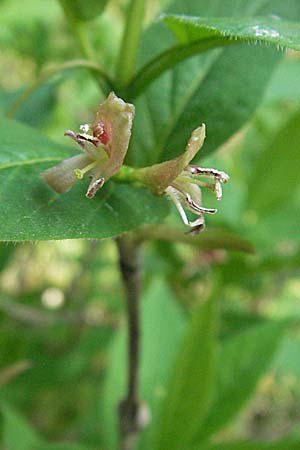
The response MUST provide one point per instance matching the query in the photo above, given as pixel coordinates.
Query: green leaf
(17, 433)
(191, 388)
(33, 211)
(65, 446)
(275, 176)
(159, 346)
(221, 88)
(83, 10)
(243, 360)
(273, 193)
(37, 110)
(268, 30)
(284, 444)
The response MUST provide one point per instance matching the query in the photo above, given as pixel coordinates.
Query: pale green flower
(182, 182)
(103, 151)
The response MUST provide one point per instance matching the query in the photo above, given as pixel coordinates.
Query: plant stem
(130, 42)
(78, 28)
(129, 408)
(47, 74)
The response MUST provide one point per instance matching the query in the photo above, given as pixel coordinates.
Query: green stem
(130, 42)
(78, 29)
(126, 174)
(47, 74)
(165, 61)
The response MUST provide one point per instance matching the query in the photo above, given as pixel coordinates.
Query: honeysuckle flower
(182, 182)
(104, 145)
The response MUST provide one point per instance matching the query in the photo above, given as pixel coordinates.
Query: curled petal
(115, 118)
(159, 176)
(223, 177)
(190, 197)
(90, 144)
(62, 177)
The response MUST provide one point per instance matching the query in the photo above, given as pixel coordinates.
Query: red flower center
(100, 133)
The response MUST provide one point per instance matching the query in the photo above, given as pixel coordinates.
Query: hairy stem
(130, 42)
(129, 408)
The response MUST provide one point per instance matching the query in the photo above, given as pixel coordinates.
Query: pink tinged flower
(104, 145)
(182, 182)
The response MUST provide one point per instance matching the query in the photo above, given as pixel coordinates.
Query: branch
(31, 316)
(130, 410)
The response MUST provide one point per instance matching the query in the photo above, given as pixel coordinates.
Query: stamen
(218, 190)
(79, 173)
(196, 228)
(209, 172)
(198, 208)
(94, 187)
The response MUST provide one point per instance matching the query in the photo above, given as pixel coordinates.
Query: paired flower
(182, 182)
(104, 151)
(104, 145)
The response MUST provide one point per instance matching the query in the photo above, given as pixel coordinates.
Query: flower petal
(159, 176)
(115, 116)
(61, 177)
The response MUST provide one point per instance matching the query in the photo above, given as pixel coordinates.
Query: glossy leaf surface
(255, 30)
(221, 88)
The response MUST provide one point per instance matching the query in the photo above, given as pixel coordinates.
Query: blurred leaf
(159, 346)
(37, 110)
(221, 88)
(17, 433)
(268, 30)
(6, 251)
(32, 211)
(234, 322)
(284, 444)
(84, 9)
(66, 446)
(210, 240)
(273, 196)
(243, 360)
(284, 85)
(287, 362)
(190, 391)
(7, 374)
(275, 176)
